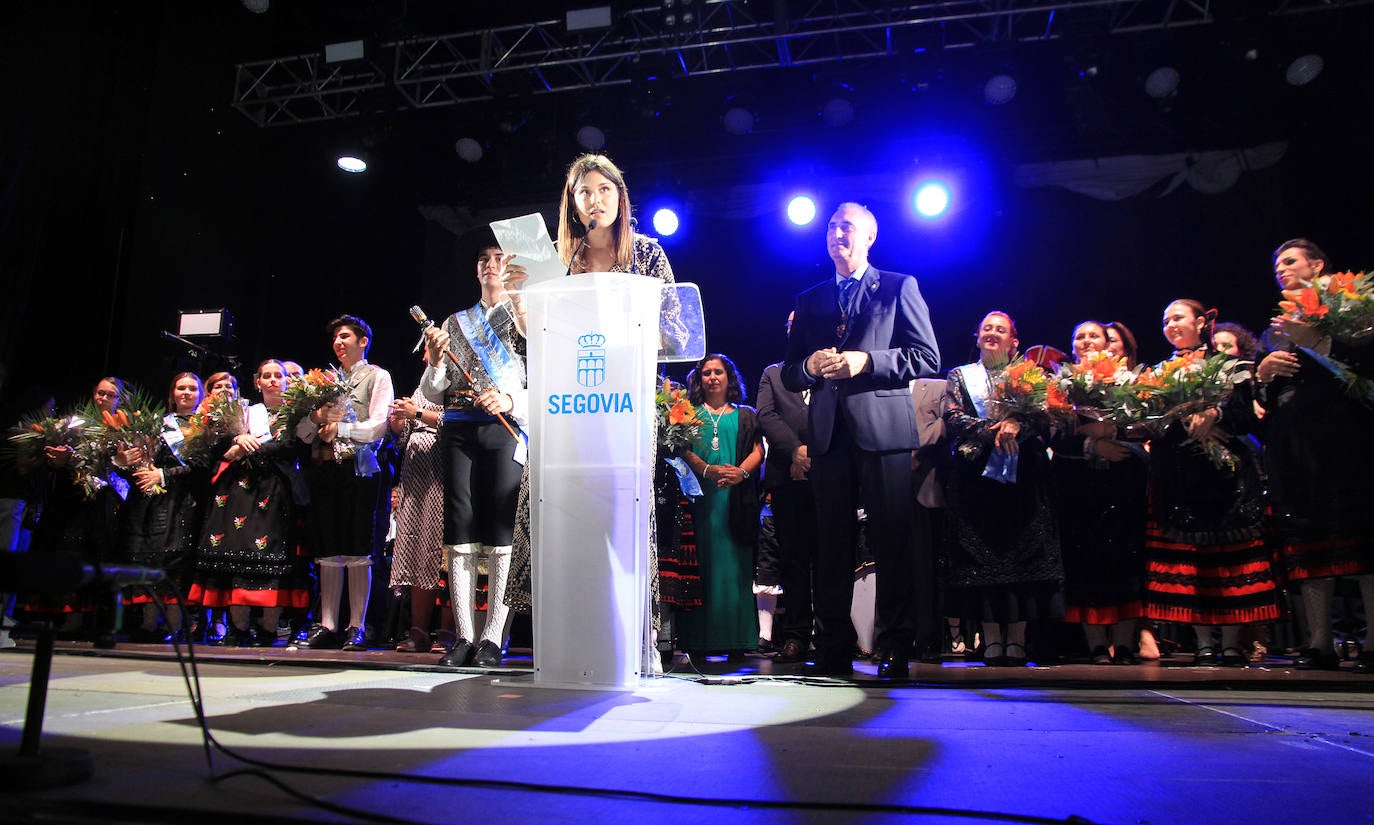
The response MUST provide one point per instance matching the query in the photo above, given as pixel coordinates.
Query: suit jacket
(783, 418)
(892, 324)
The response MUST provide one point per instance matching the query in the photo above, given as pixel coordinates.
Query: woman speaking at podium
(596, 233)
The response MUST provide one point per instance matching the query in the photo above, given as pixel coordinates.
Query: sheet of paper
(527, 238)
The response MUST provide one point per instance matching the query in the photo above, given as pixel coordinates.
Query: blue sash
(500, 365)
(1001, 466)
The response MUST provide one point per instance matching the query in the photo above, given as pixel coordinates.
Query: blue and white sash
(1001, 466)
(499, 363)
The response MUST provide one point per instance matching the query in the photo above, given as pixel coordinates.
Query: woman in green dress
(726, 457)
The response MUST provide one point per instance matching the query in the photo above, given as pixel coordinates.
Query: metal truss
(727, 36)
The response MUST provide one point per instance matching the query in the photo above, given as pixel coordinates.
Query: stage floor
(381, 734)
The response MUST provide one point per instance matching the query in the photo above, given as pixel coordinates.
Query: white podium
(593, 344)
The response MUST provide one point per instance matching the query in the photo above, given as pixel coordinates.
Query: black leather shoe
(1314, 659)
(488, 655)
(893, 664)
(233, 637)
(1205, 656)
(1364, 663)
(460, 655)
(355, 638)
(792, 650)
(259, 636)
(1124, 656)
(319, 637)
(832, 666)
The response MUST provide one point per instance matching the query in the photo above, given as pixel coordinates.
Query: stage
(1153, 743)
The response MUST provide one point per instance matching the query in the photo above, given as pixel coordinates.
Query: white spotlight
(1162, 82)
(468, 149)
(739, 121)
(1304, 70)
(801, 210)
(591, 138)
(352, 164)
(999, 89)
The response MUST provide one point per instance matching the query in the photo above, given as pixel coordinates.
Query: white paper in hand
(527, 238)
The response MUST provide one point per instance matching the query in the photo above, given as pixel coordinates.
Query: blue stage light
(665, 221)
(801, 210)
(932, 199)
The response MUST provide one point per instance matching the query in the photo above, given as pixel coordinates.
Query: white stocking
(498, 572)
(1366, 583)
(359, 591)
(767, 603)
(1204, 635)
(1318, 595)
(462, 586)
(331, 590)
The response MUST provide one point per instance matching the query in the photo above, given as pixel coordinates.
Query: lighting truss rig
(725, 36)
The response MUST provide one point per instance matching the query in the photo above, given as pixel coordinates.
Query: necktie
(847, 288)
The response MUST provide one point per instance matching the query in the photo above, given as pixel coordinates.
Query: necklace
(715, 423)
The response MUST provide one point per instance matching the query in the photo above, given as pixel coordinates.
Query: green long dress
(727, 620)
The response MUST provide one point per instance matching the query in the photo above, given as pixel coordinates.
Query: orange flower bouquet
(140, 429)
(1024, 389)
(1340, 306)
(678, 423)
(1100, 387)
(306, 394)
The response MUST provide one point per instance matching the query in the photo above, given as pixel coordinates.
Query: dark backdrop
(131, 190)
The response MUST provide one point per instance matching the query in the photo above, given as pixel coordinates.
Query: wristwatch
(417, 413)
(746, 472)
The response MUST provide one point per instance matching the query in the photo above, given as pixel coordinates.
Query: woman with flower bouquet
(1001, 558)
(160, 520)
(1101, 481)
(83, 496)
(1207, 564)
(1319, 437)
(247, 554)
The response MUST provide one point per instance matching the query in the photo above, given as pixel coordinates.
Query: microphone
(591, 224)
(423, 320)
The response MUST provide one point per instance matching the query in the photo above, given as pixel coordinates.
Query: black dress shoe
(355, 638)
(893, 665)
(1316, 659)
(319, 637)
(833, 666)
(233, 637)
(259, 636)
(488, 655)
(1232, 657)
(792, 650)
(460, 655)
(1124, 656)
(1364, 663)
(1205, 656)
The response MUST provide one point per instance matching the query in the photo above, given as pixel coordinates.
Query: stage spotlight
(257, 6)
(801, 210)
(739, 121)
(591, 138)
(1162, 82)
(665, 222)
(352, 164)
(468, 149)
(1304, 70)
(999, 89)
(932, 199)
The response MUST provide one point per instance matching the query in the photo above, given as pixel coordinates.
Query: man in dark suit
(857, 341)
(786, 477)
